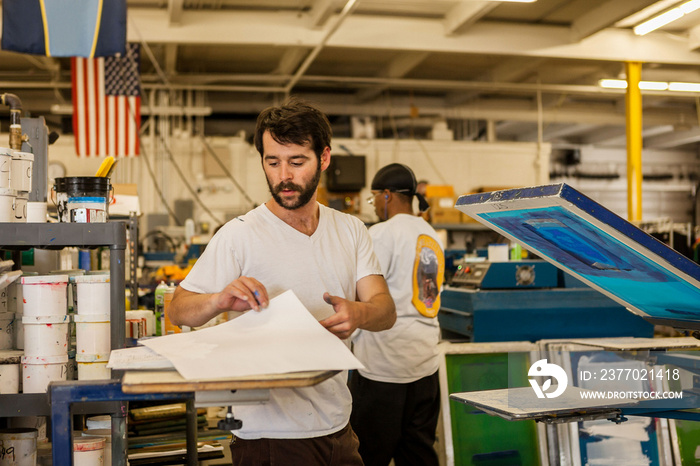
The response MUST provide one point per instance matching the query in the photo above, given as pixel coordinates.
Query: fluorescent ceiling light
(658, 21)
(689, 7)
(666, 18)
(645, 13)
(651, 85)
(613, 83)
(643, 85)
(684, 87)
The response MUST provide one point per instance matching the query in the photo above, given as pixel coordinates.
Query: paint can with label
(82, 192)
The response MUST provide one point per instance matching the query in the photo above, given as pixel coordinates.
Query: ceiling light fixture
(651, 85)
(665, 18)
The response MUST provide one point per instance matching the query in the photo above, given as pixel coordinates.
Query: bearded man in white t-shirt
(396, 397)
(324, 256)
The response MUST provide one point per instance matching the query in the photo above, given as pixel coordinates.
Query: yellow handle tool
(106, 167)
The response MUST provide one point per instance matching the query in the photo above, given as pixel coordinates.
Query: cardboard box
(442, 210)
(124, 200)
(436, 190)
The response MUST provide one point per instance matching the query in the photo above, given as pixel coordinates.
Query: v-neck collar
(278, 220)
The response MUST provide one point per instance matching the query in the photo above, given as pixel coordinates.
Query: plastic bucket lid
(23, 156)
(62, 319)
(79, 185)
(100, 278)
(103, 421)
(10, 356)
(88, 443)
(44, 279)
(103, 358)
(91, 318)
(19, 433)
(58, 359)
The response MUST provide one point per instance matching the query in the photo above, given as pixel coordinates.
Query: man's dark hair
(294, 122)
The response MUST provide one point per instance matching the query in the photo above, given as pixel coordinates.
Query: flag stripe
(106, 105)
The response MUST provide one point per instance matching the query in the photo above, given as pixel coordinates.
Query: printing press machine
(644, 276)
(529, 301)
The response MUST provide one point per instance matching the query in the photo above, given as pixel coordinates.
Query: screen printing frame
(613, 256)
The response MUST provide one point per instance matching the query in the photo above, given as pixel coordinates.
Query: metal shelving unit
(17, 237)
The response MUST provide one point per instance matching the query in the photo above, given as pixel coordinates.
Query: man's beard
(305, 192)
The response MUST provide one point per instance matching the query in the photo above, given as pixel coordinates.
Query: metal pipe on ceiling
(347, 9)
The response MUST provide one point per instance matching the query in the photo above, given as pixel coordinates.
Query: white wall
(465, 165)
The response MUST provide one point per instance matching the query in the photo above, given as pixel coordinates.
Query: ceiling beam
(605, 15)
(558, 132)
(396, 68)
(509, 70)
(225, 27)
(464, 14)
(320, 12)
(291, 60)
(673, 139)
(171, 59)
(616, 136)
(175, 8)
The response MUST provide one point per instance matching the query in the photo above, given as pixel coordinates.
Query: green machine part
(480, 439)
(688, 433)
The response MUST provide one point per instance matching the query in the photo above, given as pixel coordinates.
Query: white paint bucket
(88, 451)
(5, 166)
(44, 295)
(36, 212)
(9, 379)
(9, 371)
(93, 294)
(14, 297)
(20, 207)
(76, 187)
(92, 334)
(7, 203)
(39, 371)
(45, 335)
(93, 366)
(18, 447)
(7, 330)
(21, 171)
(103, 421)
(19, 332)
(107, 435)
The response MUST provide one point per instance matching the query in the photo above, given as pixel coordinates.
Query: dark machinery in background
(529, 301)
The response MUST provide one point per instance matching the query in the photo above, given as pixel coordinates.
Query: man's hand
(240, 295)
(347, 317)
(195, 309)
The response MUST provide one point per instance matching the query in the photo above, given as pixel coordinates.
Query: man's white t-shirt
(262, 246)
(413, 264)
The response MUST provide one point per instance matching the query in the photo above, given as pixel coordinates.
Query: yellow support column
(633, 113)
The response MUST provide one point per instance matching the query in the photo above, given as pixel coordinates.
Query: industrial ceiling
(491, 70)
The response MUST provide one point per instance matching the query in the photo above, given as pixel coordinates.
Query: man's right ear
(325, 158)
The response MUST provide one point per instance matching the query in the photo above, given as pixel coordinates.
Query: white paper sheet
(138, 357)
(284, 337)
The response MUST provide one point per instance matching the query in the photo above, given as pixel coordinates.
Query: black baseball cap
(397, 177)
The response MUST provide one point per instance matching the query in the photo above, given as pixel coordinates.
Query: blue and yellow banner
(64, 28)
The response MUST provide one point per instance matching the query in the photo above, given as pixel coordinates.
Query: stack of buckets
(9, 367)
(46, 333)
(15, 186)
(92, 327)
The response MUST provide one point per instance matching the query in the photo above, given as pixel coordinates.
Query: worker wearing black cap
(396, 397)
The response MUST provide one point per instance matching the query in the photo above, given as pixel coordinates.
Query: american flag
(107, 104)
